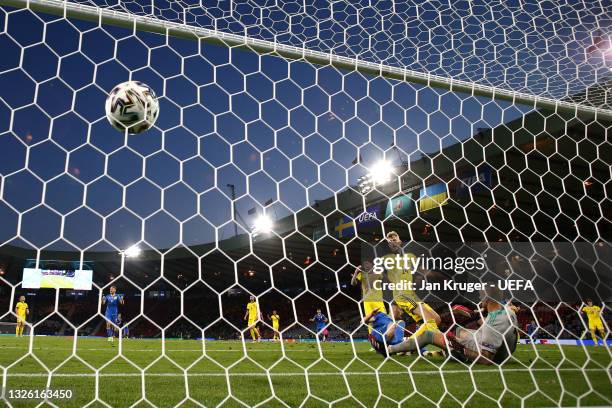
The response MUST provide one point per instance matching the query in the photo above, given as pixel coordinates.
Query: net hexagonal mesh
(293, 139)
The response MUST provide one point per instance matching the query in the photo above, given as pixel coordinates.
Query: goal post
(346, 203)
(151, 24)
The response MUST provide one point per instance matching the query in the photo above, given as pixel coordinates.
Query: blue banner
(470, 181)
(401, 206)
(345, 226)
(369, 216)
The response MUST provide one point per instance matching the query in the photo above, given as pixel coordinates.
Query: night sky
(289, 132)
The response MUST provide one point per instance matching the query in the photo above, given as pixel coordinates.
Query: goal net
(337, 205)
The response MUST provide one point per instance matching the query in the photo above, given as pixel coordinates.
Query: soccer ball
(132, 105)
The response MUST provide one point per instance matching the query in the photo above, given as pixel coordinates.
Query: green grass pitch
(189, 373)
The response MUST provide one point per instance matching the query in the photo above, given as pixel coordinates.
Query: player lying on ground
(383, 325)
(593, 313)
(510, 305)
(491, 343)
(22, 311)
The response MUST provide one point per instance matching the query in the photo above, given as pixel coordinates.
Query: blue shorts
(111, 317)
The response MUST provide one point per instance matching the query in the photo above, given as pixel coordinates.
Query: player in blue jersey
(320, 322)
(112, 302)
(122, 326)
(532, 331)
(385, 326)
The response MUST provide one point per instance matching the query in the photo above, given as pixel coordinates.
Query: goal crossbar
(135, 22)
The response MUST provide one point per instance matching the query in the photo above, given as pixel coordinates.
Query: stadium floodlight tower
(262, 225)
(133, 251)
(378, 175)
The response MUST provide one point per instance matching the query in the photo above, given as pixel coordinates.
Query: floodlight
(132, 252)
(263, 225)
(379, 174)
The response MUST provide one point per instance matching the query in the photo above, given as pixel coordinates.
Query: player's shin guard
(17, 329)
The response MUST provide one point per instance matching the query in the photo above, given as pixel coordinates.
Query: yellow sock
(428, 325)
(431, 325)
(594, 336)
(422, 328)
(21, 330)
(17, 330)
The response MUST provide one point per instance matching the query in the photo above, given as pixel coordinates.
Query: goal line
(314, 374)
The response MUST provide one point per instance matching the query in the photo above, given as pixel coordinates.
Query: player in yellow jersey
(593, 313)
(372, 298)
(22, 311)
(252, 315)
(275, 318)
(405, 298)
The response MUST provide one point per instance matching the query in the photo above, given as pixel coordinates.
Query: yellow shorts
(368, 306)
(21, 319)
(598, 325)
(275, 327)
(252, 322)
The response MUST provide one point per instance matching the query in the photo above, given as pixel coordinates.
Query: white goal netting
(292, 138)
